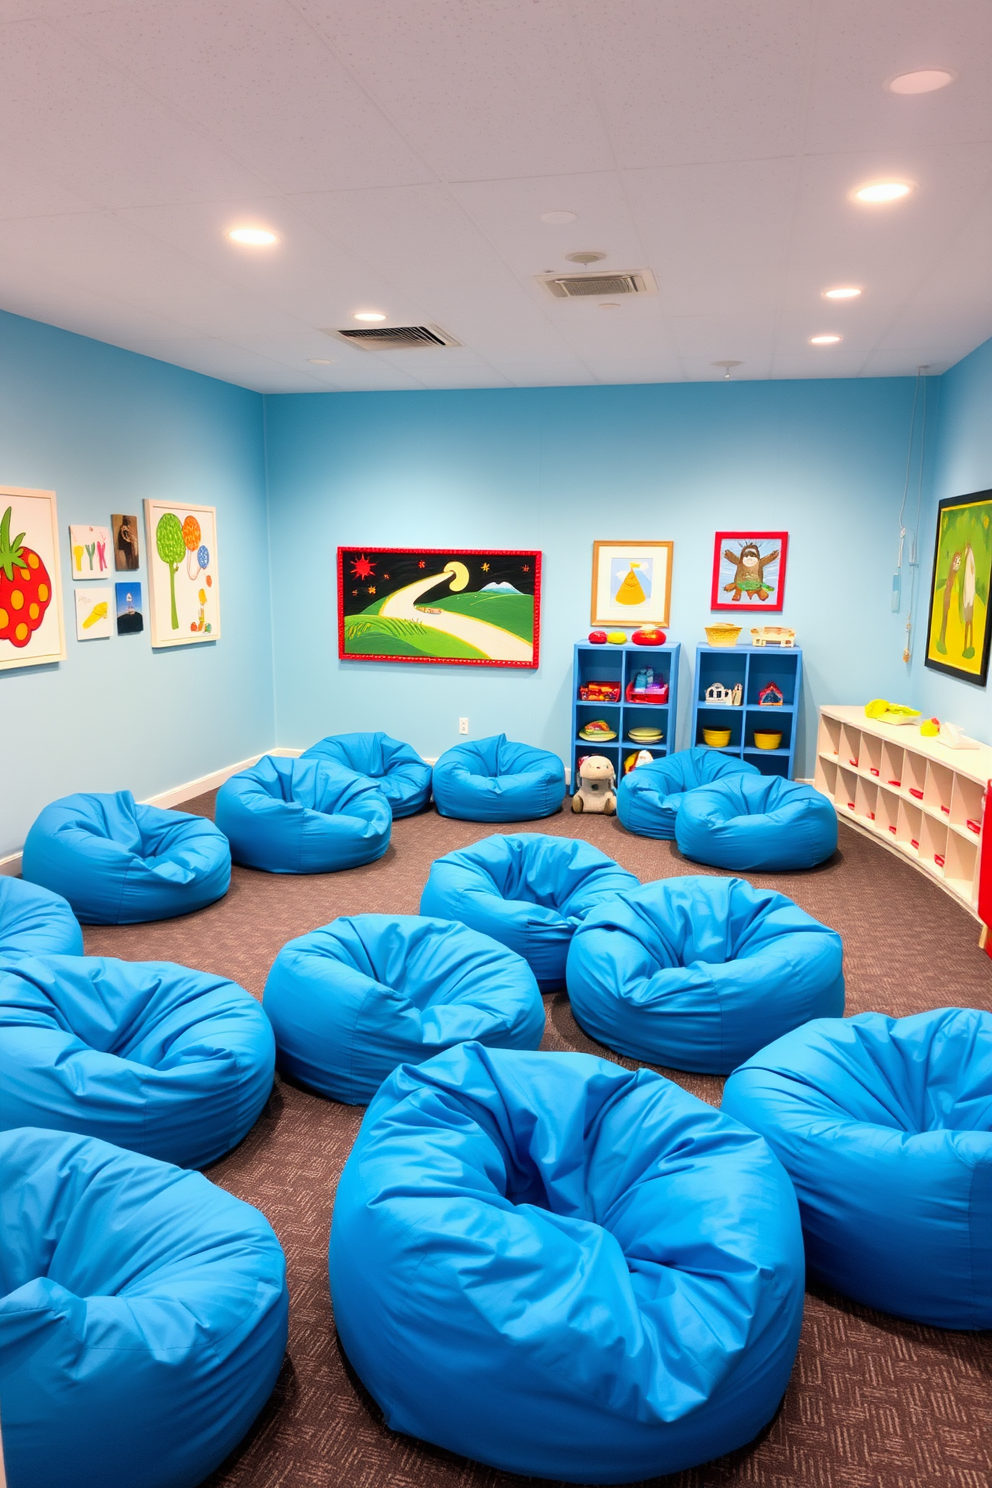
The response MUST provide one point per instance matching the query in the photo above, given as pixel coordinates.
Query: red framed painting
(749, 572)
(457, 606)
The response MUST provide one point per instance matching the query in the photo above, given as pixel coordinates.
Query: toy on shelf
(648, 635)
(953, 738)
(642, 688)
(645, 735)
(599, 692)
(597, 731)
(764, 740)
(597, 786)
(716, 738)
(772, 635)
(597, 637)
(617, 637)
(883, 711)
(723, 634)
(719, 696)
(642, 757)
(930, 728)
(770, 697)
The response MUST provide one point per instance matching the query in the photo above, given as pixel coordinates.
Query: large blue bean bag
(885, 1128)
(397, 769)
(351, 1001)
(34, 921)
(303, 816)
(529, 891)
(649, 797)
(757, 822)
(173, 1063)
(563, 1268)
(495, 780)
(699, 973)
(119, 863)
(143, 1316)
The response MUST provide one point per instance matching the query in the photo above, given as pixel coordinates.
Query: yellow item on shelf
(930, 728)
(766, 741)
(716, 738)
(617, 637)
(882, 711)
(723, 634)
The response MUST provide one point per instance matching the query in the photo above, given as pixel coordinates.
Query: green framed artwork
(958, 631)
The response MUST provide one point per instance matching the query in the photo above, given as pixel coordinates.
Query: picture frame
(631, 583)
(450, 606)
(93, 614)
(90, 552)
(183, 573)
(748, 587)
(32, 627)
(958, 628)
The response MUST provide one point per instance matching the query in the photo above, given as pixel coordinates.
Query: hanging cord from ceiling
(897, 575)
(914, 542)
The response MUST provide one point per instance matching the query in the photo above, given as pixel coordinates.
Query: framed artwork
(89, 549)
(958, 629)
(749, 571)
(130, 620)
(93, 614)
(631, 583)
(461, 606)
(127, 555)
(183, 578)
(31, 626)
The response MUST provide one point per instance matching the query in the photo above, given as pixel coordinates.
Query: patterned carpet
(873, 1403)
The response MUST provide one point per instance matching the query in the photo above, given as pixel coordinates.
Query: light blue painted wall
(962, 464)
(105, 428)
(555, 468)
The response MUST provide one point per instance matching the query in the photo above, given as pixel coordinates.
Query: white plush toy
(597, 786)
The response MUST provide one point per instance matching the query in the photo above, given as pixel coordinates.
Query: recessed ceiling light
(927, 80)
(608, 305)
(369, 315)
(321, 361)
(253, 237)
(842, 292)
(874, 192)
(824, 340)
(558, 219)
(588, 256)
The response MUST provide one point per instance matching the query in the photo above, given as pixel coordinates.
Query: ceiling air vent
(578, 286)
(393, 338)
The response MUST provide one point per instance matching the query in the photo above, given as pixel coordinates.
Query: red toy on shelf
(599, 692)
(644, 689)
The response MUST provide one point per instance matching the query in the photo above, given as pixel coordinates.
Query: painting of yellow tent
(958, 631)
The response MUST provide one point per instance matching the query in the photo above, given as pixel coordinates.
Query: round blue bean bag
(34, 921)
(699, 973)
(351, 1001)
(563, 1268)
(303, 816)
(885, 1128)
(757, 822)
(397, 769)
(495, 780)
(143, 1316)
(529, 891)
(649, 797)
(119, 863)
(173, 1063)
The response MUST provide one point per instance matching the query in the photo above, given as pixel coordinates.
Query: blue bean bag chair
(563, 1268)
(758, 823)
(397, 769)
(529, 891)
(649, 797)
(495, 780)
(173, 1063)
(303, 816)
(34, 921)
(143, 1316)
(351, 1001)
(699, 973)
(885, 1128)
(119, 863)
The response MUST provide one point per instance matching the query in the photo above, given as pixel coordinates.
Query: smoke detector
(582, 286)
(392, 338)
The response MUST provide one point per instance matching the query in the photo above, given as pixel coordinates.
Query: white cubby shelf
(921, 798)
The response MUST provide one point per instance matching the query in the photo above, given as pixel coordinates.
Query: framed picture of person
(127, 554)
(958, 632)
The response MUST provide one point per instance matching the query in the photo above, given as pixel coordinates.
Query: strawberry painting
(25, 587)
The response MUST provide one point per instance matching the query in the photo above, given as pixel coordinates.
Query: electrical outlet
(463, 725)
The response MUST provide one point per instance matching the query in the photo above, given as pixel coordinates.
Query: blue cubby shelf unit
(751, 668)
(620, 664)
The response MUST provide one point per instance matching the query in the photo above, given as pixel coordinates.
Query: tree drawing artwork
(172, 550)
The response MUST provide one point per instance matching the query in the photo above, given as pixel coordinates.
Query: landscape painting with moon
(462, 606)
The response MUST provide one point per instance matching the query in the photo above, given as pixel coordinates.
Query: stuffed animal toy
(597, 786)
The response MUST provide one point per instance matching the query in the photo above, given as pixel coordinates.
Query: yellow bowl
(766, 741)
(722, 635)
(716, 738)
